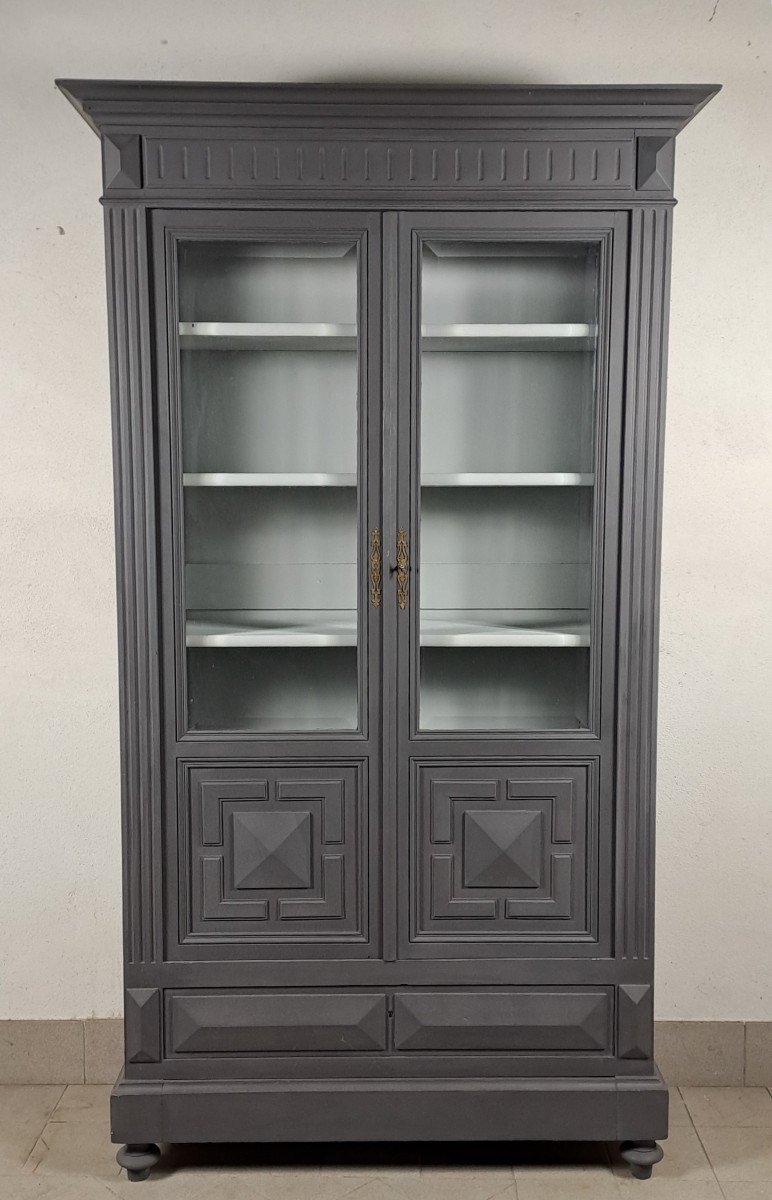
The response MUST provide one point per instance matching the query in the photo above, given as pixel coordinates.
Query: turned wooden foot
(138, 1160)
(641, 1156)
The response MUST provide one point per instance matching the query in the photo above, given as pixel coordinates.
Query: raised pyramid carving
(272, 849)
(503, 849)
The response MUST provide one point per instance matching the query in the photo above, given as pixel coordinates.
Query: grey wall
(59, 868)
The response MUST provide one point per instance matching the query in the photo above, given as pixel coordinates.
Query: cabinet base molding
(625, 1109)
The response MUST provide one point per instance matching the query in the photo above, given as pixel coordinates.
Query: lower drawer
(275, 1022)
(517, 1019)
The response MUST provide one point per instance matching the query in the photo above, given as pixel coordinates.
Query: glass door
(509, 435)
(273, 502)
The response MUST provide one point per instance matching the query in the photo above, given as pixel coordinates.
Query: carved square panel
(273, 853)
(503, 853)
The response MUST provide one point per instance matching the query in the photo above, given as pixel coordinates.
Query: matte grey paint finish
(276, 1021)
(353, 1015)
(516, 1020)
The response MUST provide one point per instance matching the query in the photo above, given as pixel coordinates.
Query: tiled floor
(54, 1143)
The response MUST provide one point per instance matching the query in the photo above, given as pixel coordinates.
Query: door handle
(402, 568)
(375, 567)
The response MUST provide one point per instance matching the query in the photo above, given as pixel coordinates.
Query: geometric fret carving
(275, 853)
(142, 1024)
(635, 1020)
(501, 853)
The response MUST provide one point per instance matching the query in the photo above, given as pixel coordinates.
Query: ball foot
(138, 1160)
(641, 1156)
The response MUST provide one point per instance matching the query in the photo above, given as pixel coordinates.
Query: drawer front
(274, 1022)
(518, 1019)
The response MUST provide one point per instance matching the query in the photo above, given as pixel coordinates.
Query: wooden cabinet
(387, 374)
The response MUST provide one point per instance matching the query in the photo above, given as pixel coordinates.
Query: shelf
(309, 479)
(543, 627)
(503, 479)
(305, 335)
(271, 628)
(508, 337)
(266, 335)
(446, 628)
(274, 479)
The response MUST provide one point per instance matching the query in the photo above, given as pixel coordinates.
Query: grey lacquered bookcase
(388, 380)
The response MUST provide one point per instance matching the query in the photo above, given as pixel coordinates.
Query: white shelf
(266, 335)
(308, 335)
(504, 479)
(309, 479)
(339, 628)
(267, 479)
(271, 628)
(541, 627)
(508, 337)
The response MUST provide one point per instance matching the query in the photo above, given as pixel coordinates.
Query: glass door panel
(269, 405)
(507, 473)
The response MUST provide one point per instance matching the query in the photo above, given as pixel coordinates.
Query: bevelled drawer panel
(275, 1022)
(517, 1019)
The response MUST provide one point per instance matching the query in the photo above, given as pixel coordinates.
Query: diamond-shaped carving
(503, 849)
(271, 849)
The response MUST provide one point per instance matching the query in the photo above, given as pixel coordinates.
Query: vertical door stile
(390, 392)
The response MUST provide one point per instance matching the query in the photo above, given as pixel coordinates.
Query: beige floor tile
(747, 1191)
(739, 1155)
(678, 1114)
(376, 1189)
(669, 1189)
(52, 1187)
(24, 1112)
(563, 1183)
(76, 1139)
(292, 1183)
(475, 1182)
(684, 1161)
(729, 1106)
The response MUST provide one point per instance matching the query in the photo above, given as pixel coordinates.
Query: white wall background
(59, 818)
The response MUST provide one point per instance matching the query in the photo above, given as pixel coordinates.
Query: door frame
(183, 749)
(595, 745)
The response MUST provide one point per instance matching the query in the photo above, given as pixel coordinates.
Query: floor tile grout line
(686, 1107)
(46, 1123)
(707, 1156)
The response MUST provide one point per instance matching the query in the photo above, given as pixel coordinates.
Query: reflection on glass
(507, 484)
(268, 373)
